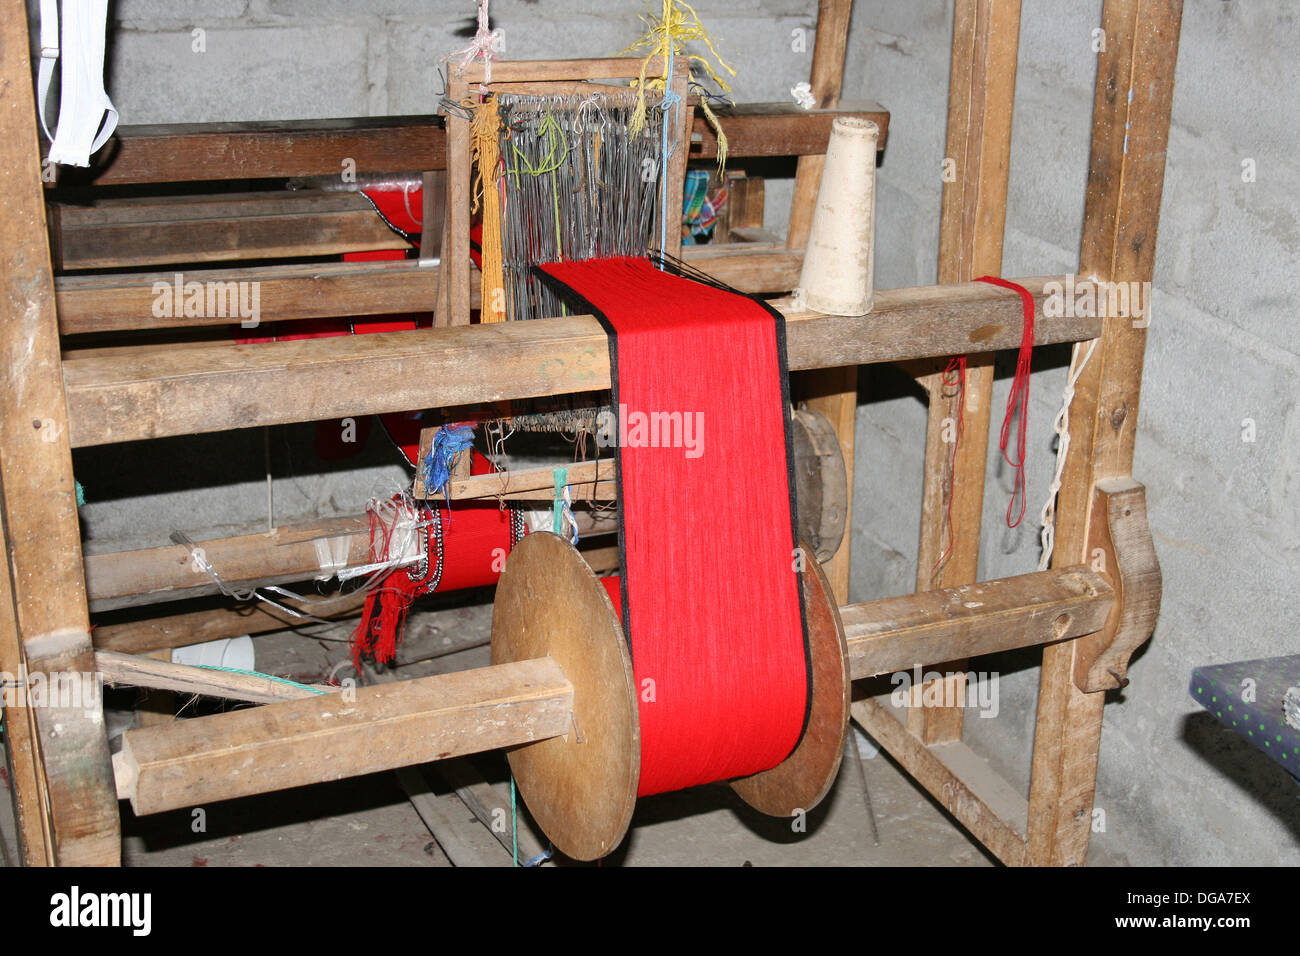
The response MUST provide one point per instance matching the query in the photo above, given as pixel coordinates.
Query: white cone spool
(838, 268)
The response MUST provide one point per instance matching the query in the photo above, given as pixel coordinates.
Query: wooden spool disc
(801, 780)
(580, 788)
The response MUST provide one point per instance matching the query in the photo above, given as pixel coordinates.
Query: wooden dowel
(120, 579)
(132, 671)
(329, 737)
(932, 627)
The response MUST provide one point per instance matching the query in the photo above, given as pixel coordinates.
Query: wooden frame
(1087, 622)
(542, 76)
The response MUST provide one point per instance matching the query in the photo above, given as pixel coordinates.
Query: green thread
(278, 680)
(557, 515)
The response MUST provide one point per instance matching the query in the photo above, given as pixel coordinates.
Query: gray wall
(1175, 788)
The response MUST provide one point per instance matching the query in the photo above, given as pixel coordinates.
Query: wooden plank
(977, 797)
(198, 152)
(132, 233)
(39, 504)
(115, 398)
(327, 737)
(211, 624)
(440, 814)
(22, 756)
(120, 302)
(128, 670)
(455, 246)
(833, 392)
(1130, 133)
(482, 799)
(981, 99)
(771, 130)
(826, 82)
(933, 627)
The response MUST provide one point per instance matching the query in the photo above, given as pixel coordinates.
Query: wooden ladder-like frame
(1087, 616)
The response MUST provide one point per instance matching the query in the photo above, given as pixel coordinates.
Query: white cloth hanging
(87, 116)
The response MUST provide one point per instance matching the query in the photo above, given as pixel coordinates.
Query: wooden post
(833, 392)
(48, 609)
(1130, 132)
(981, 96)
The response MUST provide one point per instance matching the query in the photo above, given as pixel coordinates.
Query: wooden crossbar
(126, 395)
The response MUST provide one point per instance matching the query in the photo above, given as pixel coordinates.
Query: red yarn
(710, 596)
(1018, 399)
(464, 545)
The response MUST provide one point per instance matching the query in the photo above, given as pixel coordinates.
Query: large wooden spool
(581, 788)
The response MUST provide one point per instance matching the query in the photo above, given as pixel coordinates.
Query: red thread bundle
(1018, 398)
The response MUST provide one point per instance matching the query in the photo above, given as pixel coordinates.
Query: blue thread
(568, 513)
(539, 859)
(670, 100)
(81, 493)
(448, 442)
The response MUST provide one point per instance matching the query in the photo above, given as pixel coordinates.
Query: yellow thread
(678, 25)
(487, 156)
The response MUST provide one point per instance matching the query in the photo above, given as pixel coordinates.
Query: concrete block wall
(1175, 789)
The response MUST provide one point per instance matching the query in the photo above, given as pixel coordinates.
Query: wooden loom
(1087, 621)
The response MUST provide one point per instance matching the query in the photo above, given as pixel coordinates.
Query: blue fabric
(1247, 697)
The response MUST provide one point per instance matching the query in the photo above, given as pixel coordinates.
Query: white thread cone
(838, 268)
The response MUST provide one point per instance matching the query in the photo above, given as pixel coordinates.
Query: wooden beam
(1130, 133)
(138, 232)
(980, 800)
(772, 130)
(211, 624)
(834, 391)
(933, 627)
(198, 152)
(119, 579)
(38, 501)
(981, 99)
(166, 391)
(124, 301)
(294, 552)
(329, 737)
(22, 742)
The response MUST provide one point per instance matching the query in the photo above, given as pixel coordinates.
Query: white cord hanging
(1062, 426)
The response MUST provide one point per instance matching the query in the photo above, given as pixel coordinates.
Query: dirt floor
(370, 820)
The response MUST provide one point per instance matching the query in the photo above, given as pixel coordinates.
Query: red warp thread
(710, 595)
(1018, 398)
